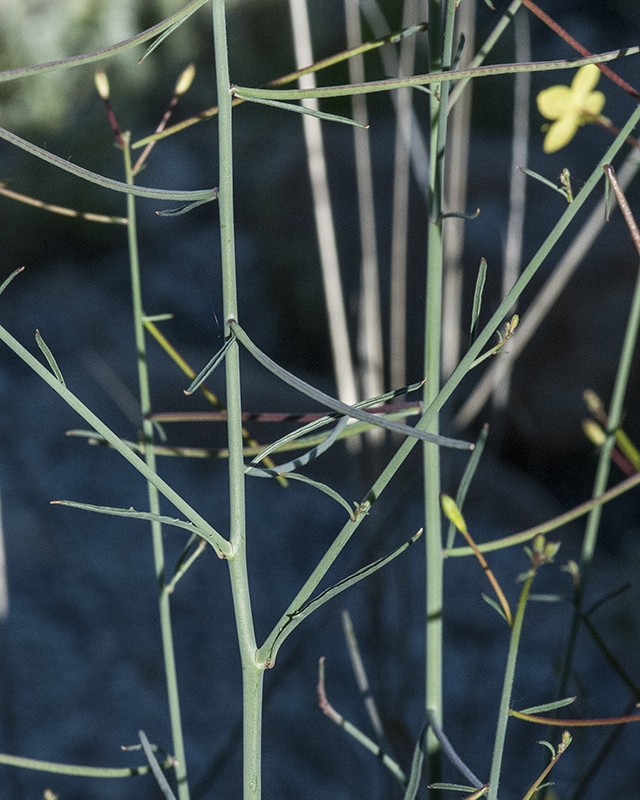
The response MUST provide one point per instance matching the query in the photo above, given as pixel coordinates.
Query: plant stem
(440, 58)
(503, 715)
(252, 673)
(152, 492)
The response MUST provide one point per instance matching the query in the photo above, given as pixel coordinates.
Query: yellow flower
(570, 107)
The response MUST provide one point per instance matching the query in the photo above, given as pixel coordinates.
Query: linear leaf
(204, 374)
(105, 52)
(467, 477)
(168, 31)
(547, 182)
(432, 77)
(337, 405)
(416, 766)
(49, 356)
(8, 280)
(290, 466)
(207, 531)
(549, 706)
(325, 420)
(495, 606)
(356, 577)
(204, 195)
(323, 488)
(163, 783)
(131, 513)
(477, 298)
(312, 112)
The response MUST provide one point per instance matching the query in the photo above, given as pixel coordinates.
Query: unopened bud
(185, 80)
(102, 84)
(593, 432)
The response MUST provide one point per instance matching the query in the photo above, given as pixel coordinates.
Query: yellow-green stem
(152, 493)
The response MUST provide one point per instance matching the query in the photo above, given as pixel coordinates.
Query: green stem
(441, 54)
(252, 674)
(505, 701)
(152, 492)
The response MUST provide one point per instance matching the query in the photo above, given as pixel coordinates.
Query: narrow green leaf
(10, 278)
(336, 405)
(132, 514)
(204, 374)
(548, 707)
(204, 195)
(477, 299)
(49, 356)
(544, 180)
(157, 317)
(550, 746)
(416, 766)
(169, 31)
(356, 577)
(290, 466)
(105, 52)
(495, 606)
(453, 787)
(163, 783)
(318, 423)
(312, 112)
(295, 476)
(607, 200)
(546, 598)
(289, 78)
(450, 753)
(394, 38)
(177, 212)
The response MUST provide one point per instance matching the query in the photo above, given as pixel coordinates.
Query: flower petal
(560, 133)
(584, 81)
(554, 102)
(593, 104)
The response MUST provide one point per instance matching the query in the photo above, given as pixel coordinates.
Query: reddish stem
(577, 46)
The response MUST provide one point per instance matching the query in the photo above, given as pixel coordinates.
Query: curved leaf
(131, 513)
(203, 195)
(105, 52)
(337, 405)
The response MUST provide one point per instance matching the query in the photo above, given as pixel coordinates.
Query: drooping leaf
(337, 405)
(132, 514)
(203, 195)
